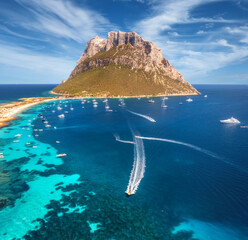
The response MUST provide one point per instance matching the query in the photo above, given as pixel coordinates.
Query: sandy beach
(8, 111)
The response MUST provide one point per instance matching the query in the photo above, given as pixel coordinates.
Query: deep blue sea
(190, 171)
(13, 92)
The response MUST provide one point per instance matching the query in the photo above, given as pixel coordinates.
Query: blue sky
(206, 40)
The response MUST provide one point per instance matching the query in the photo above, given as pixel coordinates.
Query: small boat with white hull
(61, 155)
(231, 120)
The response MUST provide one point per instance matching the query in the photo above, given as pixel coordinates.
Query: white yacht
(231, 120)
(18, 135)
(206, 96)
(58, 142)
(189, 100)
(61, 155)
(61, 116)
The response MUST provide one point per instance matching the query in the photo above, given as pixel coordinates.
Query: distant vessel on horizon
(231, 120)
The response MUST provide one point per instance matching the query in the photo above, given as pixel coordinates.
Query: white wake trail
(181, 143)
(117, 138)
(143, 116)
(139, 164)
(197, 149)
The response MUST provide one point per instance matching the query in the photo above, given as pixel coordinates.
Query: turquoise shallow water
(194, 184)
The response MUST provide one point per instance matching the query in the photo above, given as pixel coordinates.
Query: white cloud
(241, 31)
(35, 62)
(165, 14)
(63, 19)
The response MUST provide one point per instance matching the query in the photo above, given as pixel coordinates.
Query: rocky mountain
(124, 64)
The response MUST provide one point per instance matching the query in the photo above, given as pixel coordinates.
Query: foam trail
(197, 149)
(117, 138)
(143, 116)
(138, 170)
(181, 143)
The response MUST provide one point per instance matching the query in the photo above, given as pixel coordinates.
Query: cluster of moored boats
(62, 115)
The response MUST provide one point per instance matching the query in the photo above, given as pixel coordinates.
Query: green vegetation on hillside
(118, 80)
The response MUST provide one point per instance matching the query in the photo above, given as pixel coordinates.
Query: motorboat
(231, 120)
(59, 108)
(163, 103)
(61, 116)
(180, 103)
(28, 143)
(189, 100)
(129, 193)
(18, 135)
(16, 141)
(244, 126)
(206, 96)
(61, 155)
(58, 142)
(151, 101)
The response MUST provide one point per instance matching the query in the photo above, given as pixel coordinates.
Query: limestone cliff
(106, 65)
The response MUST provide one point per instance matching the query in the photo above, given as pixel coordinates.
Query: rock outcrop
(130, 51)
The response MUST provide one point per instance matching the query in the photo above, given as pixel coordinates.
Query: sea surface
(13, 92)
(190, 171)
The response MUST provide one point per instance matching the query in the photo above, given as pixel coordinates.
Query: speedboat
(163, 104)
(206, 96)
(61, 116)
(57, 141)
(231, 120)
(61, 155)
(129, 193)
(189, 100)
(151, 101)
(18, 135)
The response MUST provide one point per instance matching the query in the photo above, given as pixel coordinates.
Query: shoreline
(9, 110)
(119, 96)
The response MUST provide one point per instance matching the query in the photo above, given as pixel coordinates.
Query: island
(121, 66)
(124, 65)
